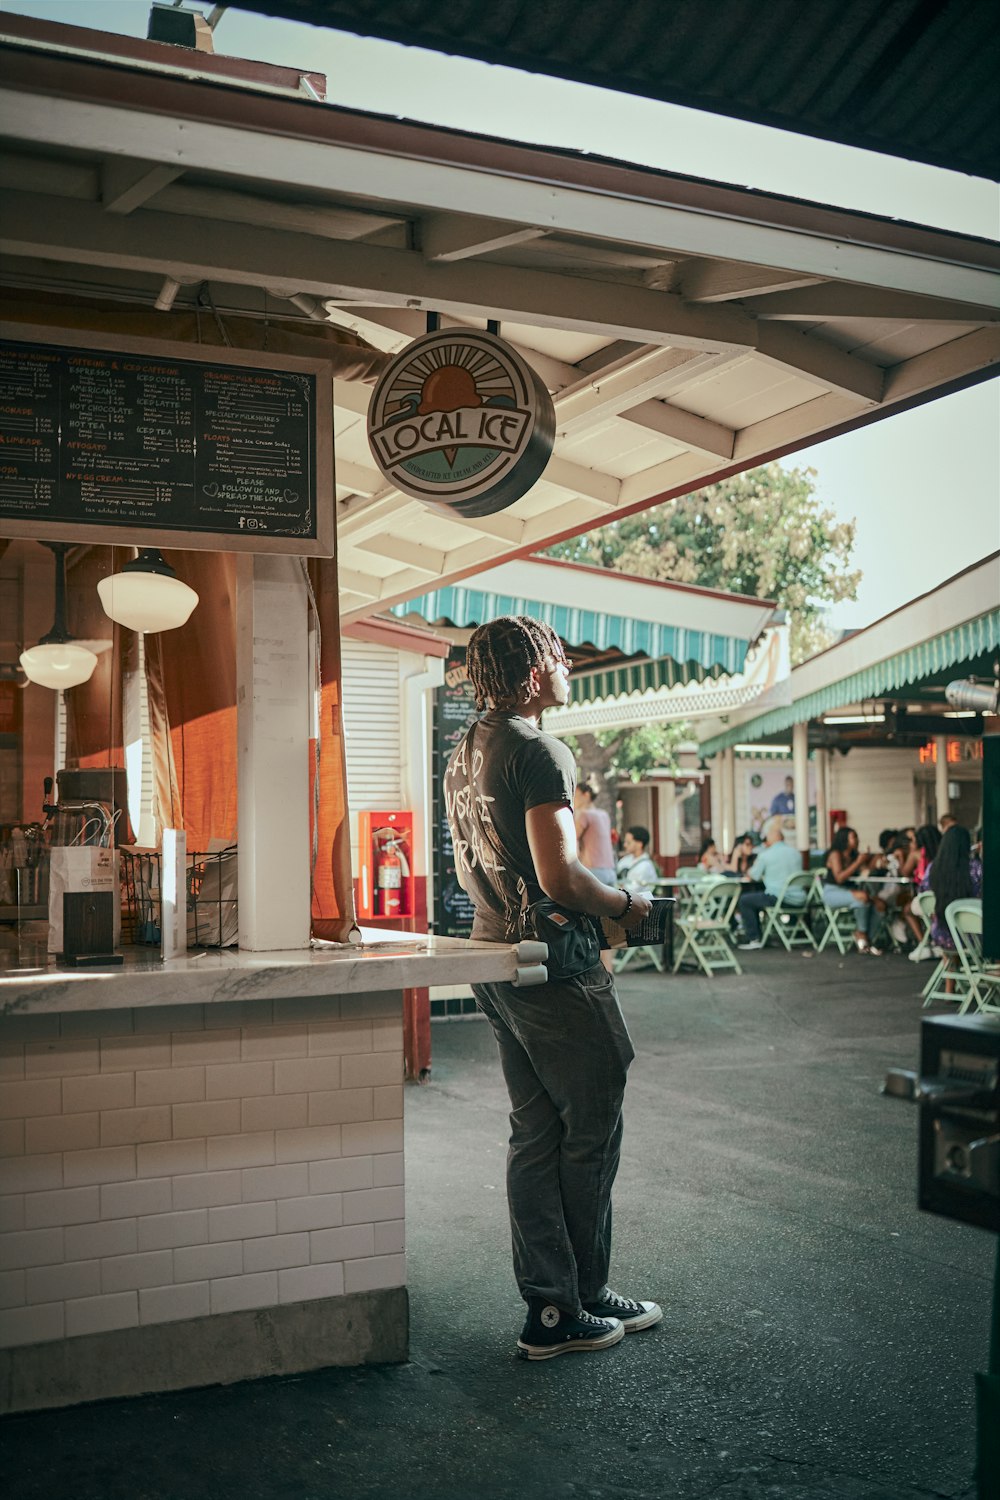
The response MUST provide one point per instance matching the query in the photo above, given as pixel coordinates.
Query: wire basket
(211, 898)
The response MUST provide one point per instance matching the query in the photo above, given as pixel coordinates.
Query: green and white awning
(960, 644)
(638, 677)
(677, 655)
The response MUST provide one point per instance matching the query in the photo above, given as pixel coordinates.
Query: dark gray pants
(565, 1050)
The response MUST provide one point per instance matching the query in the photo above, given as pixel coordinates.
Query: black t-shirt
(503, 767)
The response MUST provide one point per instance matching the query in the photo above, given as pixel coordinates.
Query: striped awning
(906, 668)
(689, 655)
(638, 677)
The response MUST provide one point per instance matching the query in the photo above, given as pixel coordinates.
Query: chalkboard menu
(95, 438)
(454, 711)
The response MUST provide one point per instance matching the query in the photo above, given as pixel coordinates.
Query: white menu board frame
(113, 533)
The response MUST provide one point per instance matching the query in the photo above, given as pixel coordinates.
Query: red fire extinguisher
(388, 880)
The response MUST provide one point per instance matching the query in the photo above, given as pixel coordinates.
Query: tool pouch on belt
(573, 943)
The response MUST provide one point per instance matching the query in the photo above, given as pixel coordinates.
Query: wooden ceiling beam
(648, 373)
(579, 480)
(724, 281)
(430, 560)
(682, 229)
(820, 362)
(358, 478)
(190, 249)
(126, 185)
(449, 237)
(826, 300)
(683, 427)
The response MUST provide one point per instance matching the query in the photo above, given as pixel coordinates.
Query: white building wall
(373, 740)
(183, 1161)
(875, 787)
(387, 736)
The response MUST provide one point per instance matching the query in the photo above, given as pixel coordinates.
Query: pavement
(820, 1333)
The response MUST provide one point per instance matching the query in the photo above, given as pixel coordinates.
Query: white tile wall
(155, 1168)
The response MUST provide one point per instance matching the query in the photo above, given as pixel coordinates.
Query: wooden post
(820, 759)
(800, 775)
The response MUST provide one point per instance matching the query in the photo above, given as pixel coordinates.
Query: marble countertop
(30, 982)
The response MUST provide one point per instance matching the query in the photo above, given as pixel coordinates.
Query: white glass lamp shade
(146, 601)
(58, 664)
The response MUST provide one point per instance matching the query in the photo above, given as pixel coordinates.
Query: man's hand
(640, 908)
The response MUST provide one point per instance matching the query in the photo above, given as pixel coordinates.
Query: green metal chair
(624, 956)
(704, 928)
(788, 920)
(840, 923)
(979, 981)
(922, 906)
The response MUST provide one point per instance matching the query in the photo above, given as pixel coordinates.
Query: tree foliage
(611, 754)
(763, 533)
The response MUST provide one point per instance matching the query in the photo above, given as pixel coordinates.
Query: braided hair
(502, 653)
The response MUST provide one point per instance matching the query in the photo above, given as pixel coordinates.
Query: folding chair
(979, 981)
(790, 921)
(623, 956)
(705, 927)
(922, 906)
(841, 924)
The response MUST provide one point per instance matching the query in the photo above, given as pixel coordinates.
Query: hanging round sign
(459, 420)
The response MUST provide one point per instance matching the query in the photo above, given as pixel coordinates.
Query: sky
(923, 486)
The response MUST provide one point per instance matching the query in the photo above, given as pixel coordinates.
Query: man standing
(783, 803)
(564, 1047)
(773, 865)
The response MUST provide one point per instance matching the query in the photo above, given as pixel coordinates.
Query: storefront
(869, 737)
(203, 1179)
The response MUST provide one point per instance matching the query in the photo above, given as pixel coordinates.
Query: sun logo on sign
(459, 419)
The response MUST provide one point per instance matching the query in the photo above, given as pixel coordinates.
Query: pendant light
(58, 661)
(147, 595)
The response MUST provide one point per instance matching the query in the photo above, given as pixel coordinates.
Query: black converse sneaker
(631, 1315)
(549, 1331)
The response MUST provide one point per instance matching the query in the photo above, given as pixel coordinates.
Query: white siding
(372, 727)
(876, 788)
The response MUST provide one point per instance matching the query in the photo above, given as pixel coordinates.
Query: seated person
(843, 862)
(773, 865)
(710, 861)
(928, 841)
(955, 874)
(637, 869)
(742, 856)
(902, 856)
(886, 839)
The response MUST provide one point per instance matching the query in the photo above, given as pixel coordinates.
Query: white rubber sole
(571, 1346)
(648, 1319)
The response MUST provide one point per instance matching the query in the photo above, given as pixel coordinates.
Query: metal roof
(687, 330)
(914, 78)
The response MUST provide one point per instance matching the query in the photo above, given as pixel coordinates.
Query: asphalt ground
(820, 1333)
